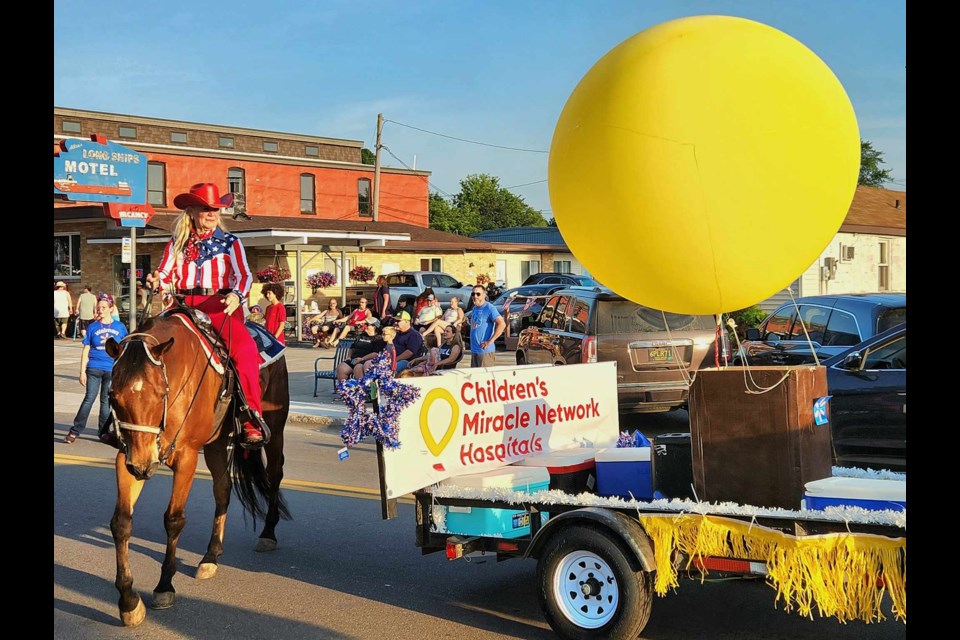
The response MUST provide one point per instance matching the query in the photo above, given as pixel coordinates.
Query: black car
(568, 279)
(868, 402)
(513, 304)
(833, 323)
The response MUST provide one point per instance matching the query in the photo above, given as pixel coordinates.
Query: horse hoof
(266, 544)
(163, 599)
(206, 570)
(135, 617)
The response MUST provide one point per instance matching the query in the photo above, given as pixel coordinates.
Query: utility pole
(376, 172)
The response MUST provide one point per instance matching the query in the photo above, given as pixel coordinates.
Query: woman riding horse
(208, 266)
(168, 405)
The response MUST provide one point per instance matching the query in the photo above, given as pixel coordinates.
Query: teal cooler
(506, 523)
(571, 470)
(868, 493)
(625, 473)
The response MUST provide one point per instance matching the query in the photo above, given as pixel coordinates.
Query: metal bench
(339, 355)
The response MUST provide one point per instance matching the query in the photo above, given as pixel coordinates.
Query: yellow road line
(298, 485)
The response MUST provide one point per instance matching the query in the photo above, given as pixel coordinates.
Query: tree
(367, 156)
(444, 217)
(871, 175)
(494, 207)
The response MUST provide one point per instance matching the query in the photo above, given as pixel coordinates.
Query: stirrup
(254, 440)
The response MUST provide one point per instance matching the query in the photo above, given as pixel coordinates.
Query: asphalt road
(340, 570)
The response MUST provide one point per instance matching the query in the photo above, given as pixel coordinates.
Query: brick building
(309, 200)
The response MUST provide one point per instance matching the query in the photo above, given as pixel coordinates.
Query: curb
(321, 421)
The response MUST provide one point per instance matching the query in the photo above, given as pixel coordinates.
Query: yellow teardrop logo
(436, 448)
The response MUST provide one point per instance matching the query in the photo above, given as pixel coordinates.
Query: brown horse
(166, 401)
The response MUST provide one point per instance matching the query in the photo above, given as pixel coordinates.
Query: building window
(431, 264)
(561, 266)
(235, 180)
(307, 190)
(883, 267)
(157, 184)
(178, 136)
(528, 268)
(332, 265)
(71, 126)
(363, 197)
(226, 142)
(66, 255)
(311, 150)
(271, 146)
(128, 132)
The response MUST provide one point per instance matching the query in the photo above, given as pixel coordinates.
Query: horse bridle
(130, 426)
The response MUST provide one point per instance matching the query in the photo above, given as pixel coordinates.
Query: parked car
(833, 323)
(410, 284)
(512, 304)
(656, 352)
(867, 384)
(569, 279)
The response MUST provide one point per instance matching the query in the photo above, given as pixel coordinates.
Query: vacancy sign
(96, 170)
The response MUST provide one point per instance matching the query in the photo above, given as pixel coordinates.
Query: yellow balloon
(703, 164)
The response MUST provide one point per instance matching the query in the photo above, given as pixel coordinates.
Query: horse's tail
(252, 486)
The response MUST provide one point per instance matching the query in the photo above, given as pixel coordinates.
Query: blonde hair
(392, 330)
(181, 231)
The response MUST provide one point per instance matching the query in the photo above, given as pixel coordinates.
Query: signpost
(96, 170)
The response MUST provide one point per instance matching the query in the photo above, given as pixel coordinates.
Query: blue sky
(496, 72)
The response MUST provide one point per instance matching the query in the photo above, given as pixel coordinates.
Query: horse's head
(138, 397)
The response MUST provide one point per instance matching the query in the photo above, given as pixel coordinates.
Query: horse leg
(268, 537)
(132, 611)
(174, 519)
(216, 457)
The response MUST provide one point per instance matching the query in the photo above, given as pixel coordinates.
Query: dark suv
(655, 360)
(569, 279)
(833, 323)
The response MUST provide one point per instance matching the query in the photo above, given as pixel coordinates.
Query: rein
(158, 430)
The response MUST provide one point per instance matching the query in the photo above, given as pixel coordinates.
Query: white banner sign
(472, 420)
(126, 250)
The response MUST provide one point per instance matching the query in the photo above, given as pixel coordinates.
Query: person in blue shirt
(409, 342)
(96, 367)
(486, 325)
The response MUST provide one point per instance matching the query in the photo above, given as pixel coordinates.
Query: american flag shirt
(221, 263)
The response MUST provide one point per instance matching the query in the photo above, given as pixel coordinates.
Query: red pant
(243, 350)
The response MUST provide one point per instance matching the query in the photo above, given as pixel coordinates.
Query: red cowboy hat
(203, 194)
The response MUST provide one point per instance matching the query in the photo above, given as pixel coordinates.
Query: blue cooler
(626, 471)
(506, 523)
(868, 493)
(571, 470)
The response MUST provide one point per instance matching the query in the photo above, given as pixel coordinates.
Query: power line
(385, 147)
(525, 184)
(483, 144)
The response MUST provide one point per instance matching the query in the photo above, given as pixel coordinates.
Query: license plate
(660, 355)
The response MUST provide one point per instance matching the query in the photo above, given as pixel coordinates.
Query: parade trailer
(524, 462)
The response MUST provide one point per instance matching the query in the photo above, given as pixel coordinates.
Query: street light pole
(376, 171)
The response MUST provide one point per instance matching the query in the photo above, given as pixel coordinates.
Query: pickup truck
(410, 284)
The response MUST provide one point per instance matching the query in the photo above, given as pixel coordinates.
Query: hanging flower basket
(321, 280)
(361, 274)
(273, 273)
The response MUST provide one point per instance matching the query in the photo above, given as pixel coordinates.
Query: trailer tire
(590, 587)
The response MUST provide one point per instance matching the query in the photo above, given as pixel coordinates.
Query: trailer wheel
(590, 588)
